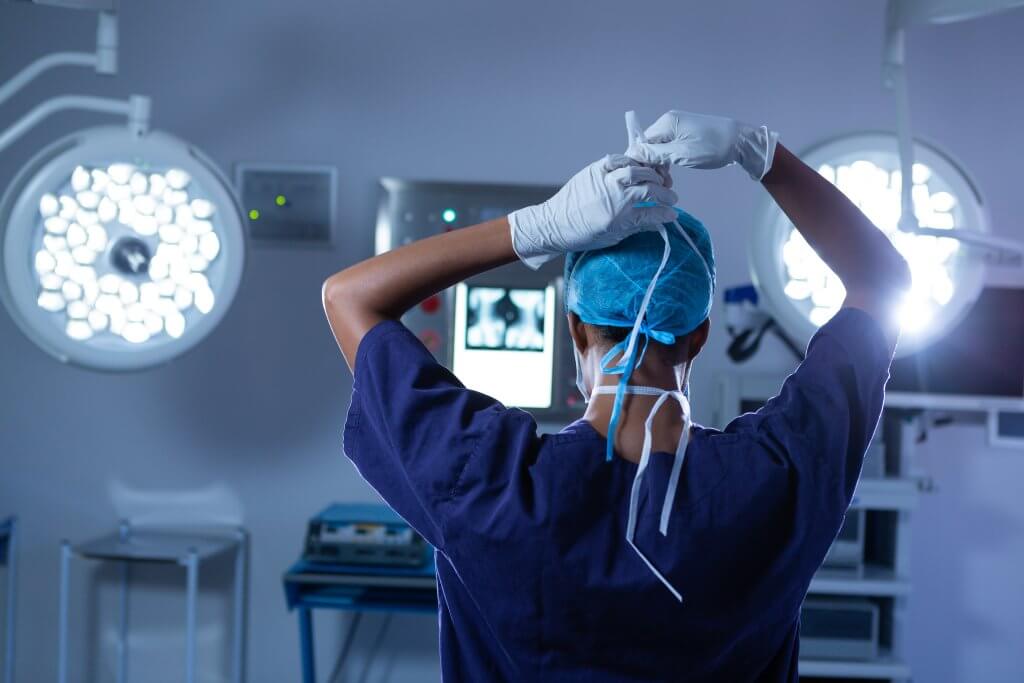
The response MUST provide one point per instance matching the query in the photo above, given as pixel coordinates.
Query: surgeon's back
(535, 578)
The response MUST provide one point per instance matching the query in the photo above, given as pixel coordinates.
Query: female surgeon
(633, 545)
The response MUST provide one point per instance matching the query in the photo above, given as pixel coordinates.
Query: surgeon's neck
(629, 435)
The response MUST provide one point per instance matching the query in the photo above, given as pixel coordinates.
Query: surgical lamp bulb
(113, 224)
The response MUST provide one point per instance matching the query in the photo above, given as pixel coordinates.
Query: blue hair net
(608, 287)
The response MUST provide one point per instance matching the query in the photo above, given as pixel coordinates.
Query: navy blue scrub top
(535, 579)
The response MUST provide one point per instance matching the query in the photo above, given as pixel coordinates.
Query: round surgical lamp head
(803, 293)
(119, 251)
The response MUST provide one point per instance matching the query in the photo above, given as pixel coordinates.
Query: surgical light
(120, 251)
(120, 247)
(803, 293)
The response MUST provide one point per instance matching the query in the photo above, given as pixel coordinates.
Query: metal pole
(122, 644)
(103, 105)
(104, 59)
(306, 644)
(62, 640)
(241, 561)
(894, 77)
(12, 568)
(42, 65)
(192, 567)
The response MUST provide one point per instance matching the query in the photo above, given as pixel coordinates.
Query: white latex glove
(701, 141)
(595, 209)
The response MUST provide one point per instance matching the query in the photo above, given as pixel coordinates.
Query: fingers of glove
(665, 171)
(641, 153)
(615, 161)
(652, 192)
(666, 128)
(658, 154)
(678, 125)
(635, 175)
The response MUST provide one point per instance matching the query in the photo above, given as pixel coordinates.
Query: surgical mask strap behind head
(645, 455)
(627, 363)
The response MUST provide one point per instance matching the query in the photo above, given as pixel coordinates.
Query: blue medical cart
(356, 589)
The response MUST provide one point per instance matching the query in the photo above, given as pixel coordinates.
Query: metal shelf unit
(889, 501)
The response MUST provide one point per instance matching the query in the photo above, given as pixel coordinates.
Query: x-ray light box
(503, 342)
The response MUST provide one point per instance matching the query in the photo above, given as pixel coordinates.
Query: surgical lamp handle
(136, 109)
(104, 59)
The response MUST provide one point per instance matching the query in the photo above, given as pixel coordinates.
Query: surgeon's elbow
(333, 294)
(888, 277)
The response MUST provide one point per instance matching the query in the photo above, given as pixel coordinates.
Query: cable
(346, 647)
(373, 650)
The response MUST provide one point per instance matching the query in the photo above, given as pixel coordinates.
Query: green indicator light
(254, 214)
(280, 200)
(449, 215)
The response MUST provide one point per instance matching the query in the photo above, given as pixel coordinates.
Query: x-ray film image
(505, 319)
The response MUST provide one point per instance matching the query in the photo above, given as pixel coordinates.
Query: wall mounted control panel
(503, 332)
(288, 205)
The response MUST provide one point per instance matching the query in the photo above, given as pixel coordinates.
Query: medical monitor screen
(983, 355)
(504, 343)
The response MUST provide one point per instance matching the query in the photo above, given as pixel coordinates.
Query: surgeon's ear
(578, 332)
(698, 338)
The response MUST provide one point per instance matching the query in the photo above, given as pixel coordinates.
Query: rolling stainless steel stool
(187, 547)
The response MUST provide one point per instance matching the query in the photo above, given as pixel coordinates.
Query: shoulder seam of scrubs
(497, 411)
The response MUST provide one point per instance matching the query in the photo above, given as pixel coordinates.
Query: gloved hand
(701, 141)
(597, 208)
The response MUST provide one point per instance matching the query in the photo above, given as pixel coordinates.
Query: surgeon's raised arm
(386, 286)
(872, 271)
(874, 274)
(604, 203)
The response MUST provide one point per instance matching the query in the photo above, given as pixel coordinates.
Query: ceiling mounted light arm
(136, 109)
(950, 11)
(894, 76)
(997, 251)
(104, 59)
(900, 15)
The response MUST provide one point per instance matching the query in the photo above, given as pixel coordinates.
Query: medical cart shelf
(891, 493)
(872, 581)
(885, 667)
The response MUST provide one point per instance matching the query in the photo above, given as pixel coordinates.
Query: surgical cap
(607, 286)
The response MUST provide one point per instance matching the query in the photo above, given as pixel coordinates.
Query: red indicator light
(431, 304)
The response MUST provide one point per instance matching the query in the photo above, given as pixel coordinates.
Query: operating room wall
(525, 91)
